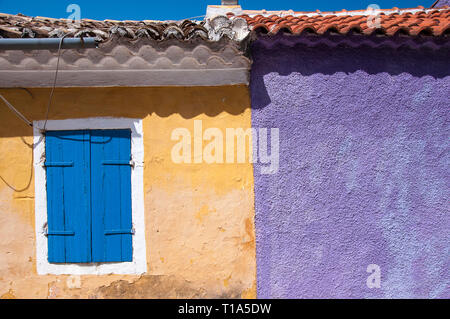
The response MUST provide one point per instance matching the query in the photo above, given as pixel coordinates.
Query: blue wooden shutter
(111, 196)
(68, 196)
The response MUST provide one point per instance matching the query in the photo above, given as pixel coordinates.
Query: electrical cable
(54, 82)
(202, 16)
(19, 115)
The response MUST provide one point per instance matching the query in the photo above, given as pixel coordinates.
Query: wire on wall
(54, 82)
(19, 115)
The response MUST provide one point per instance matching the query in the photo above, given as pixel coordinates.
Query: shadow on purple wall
(363, 176)
(419, 58)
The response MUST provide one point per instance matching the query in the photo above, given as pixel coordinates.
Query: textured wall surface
(123, 63)
(442, 3)
(199, 218)
(364, 171)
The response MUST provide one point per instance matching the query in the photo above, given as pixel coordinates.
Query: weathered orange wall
(199, 217)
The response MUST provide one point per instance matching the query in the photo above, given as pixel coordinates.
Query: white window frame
(139, 264)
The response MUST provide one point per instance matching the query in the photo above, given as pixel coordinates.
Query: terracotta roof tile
(20, 26)
(415, 21)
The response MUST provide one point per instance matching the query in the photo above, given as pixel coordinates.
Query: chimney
(227, 6)
(230, 2)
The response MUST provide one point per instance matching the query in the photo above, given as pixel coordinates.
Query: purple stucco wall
(364, 171)
(442, 3)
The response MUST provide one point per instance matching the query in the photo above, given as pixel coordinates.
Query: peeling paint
(73, 282)
(8, 295)
(151, 287)
(203, 212)
(187, 257)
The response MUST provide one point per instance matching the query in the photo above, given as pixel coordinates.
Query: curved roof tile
(391, 22)
(415, 21)
(20, 26)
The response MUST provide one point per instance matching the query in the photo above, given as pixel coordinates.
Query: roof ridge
(20, 15)
(404, 22)
(343, 12)
(388, 22)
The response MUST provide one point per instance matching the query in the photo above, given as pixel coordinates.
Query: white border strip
(363, 12)
(139, 264)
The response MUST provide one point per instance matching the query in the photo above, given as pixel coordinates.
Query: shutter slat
(126, 163)
(58, 164)
(61, 233)
(119, 232)
(111, 195)
(111, 179)
(67, 161)
(125, 191)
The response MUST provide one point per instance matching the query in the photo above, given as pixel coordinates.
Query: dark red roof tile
(416, 21)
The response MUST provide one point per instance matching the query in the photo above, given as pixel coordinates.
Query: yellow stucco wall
(199, 217)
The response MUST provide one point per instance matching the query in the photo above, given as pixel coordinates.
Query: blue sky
(177, 10)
